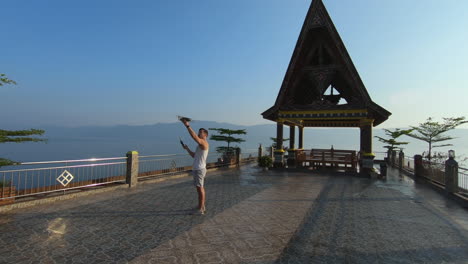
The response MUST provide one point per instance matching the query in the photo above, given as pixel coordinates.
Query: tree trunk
(430, 151)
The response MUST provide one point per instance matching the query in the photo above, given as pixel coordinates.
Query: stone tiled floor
(253, 217)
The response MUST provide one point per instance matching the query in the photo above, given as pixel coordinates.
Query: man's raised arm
(193, 134)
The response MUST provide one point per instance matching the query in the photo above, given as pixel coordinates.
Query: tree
(17, 136)
(433, 132)
(274, 141)
(392, 142)
(226, 135)
(4, 80)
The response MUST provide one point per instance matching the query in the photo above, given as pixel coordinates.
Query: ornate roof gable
(321, 75)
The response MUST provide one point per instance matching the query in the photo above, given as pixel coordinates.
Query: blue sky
(114, 62)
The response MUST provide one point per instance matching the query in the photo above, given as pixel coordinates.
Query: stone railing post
(260, 151)
(418, 166)
(238, 156)
(451, 175)
(393, 162)
(389, 156)
(401, 159)
(132, 168)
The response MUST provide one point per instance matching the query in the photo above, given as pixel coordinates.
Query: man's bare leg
(201, 198)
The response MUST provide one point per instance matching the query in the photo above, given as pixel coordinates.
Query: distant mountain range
(163, 138)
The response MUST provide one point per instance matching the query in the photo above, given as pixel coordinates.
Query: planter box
(9, 194)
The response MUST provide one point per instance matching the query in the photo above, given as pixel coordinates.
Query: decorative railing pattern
(35, 178)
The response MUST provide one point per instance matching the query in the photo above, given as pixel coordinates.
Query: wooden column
(279, 136)
(279, 152)
(292, 137)
(366, 136)
(367, 157)
(301, 137)
(292, 143)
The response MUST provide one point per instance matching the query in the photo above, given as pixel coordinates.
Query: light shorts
(199, 177)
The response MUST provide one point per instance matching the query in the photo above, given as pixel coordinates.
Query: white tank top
(199, 160)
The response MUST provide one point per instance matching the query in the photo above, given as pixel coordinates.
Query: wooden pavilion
(322, 88)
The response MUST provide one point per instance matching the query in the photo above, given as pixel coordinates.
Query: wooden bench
(321, 158)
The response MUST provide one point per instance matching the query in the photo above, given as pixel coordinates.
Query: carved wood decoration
(322, 77)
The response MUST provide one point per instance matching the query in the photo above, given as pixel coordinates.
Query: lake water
(71, 144)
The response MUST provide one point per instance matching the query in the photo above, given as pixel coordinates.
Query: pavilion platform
(253, 216)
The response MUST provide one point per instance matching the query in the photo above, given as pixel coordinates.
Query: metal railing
(161, 165)
(152, 165)
(33, 178)
(463, 180)
(394, 160)
(249, 155)
(434, 171)
(37, 178)
(408, 163)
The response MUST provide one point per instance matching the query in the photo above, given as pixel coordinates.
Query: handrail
(107, 159)
(165, 155)
(70, 161)
(65, 167)
(433, 163)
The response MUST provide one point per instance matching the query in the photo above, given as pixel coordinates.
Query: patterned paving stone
(253, 217)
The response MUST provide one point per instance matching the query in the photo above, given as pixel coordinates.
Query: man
(199, 163)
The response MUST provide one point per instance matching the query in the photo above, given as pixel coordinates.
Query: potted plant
(265, 162)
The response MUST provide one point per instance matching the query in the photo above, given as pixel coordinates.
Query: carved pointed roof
(321, 77)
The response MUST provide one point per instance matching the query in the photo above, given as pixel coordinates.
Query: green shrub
(265, 161)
